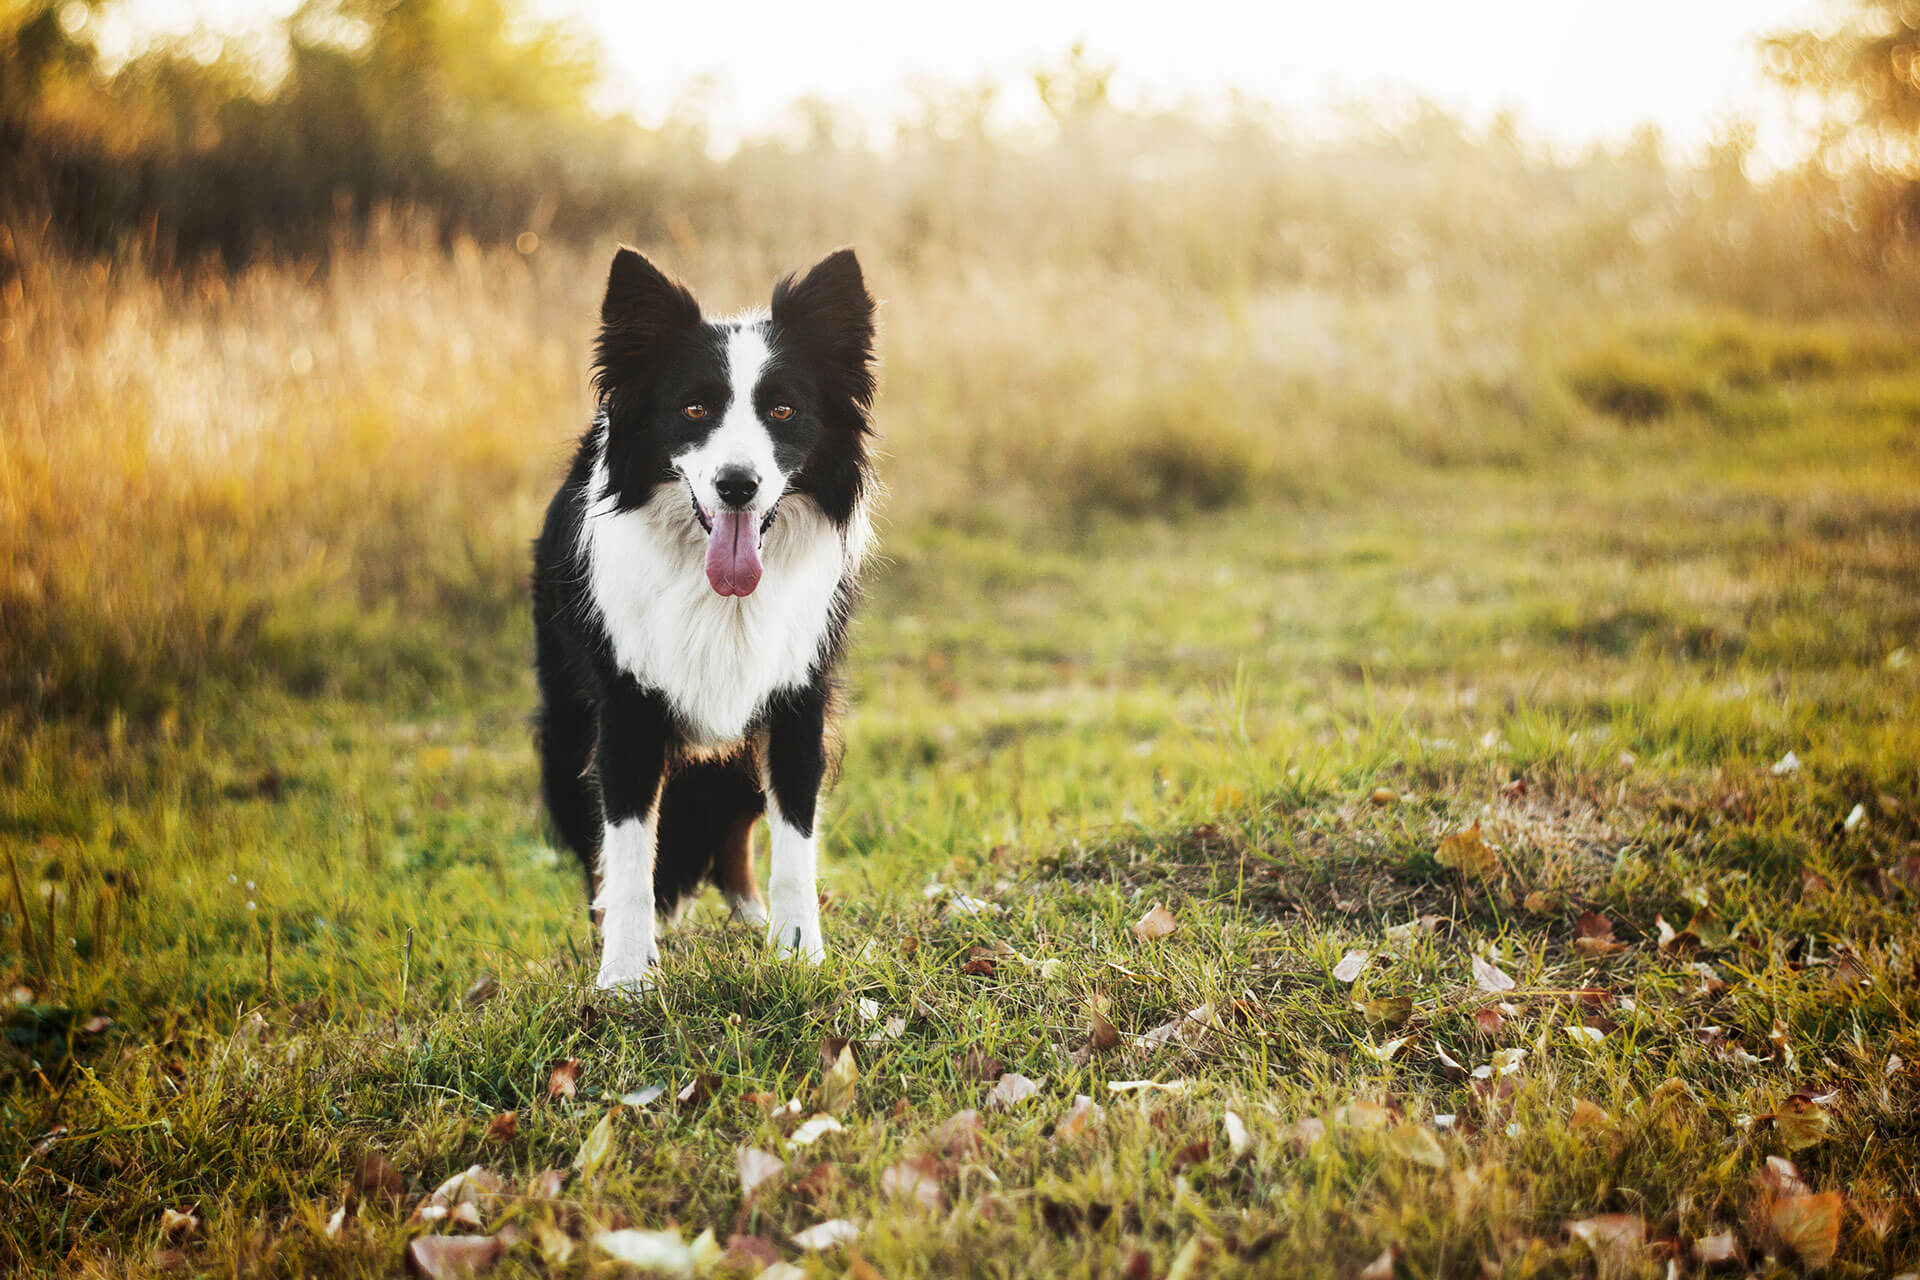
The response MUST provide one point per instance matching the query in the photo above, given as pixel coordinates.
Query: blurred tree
(44, 45)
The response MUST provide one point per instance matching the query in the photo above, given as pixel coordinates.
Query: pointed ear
(643, 308)
(827, 317)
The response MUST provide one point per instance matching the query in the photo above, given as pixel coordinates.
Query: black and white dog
(691, 593)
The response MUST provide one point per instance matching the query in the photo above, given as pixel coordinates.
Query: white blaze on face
(741, 440)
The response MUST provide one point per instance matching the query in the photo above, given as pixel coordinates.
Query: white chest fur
(716, 658)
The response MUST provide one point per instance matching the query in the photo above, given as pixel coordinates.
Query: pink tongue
(733, 561)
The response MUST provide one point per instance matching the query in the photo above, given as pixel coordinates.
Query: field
(1507, 699)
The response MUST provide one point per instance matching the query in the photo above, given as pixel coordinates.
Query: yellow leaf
(598, 1147)
(1809, 1225)
(1468, 853)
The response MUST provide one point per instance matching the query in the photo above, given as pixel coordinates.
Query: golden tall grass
(323, 472)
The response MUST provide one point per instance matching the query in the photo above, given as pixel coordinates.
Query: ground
(1492, 869)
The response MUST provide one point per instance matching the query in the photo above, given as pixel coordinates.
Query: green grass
(280, 900)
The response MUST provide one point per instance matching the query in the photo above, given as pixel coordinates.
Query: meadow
(1381, 743)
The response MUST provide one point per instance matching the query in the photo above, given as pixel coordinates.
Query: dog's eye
(780, 412)
(695, 411)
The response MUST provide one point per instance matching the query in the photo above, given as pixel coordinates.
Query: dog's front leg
(795, 764)
(630, 760)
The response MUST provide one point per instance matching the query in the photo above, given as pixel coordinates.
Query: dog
(692, 589)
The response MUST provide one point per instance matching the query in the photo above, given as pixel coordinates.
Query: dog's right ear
(643, 309)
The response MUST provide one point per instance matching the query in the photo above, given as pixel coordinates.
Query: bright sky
(1574, 70)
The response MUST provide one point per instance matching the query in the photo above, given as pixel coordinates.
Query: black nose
(736, 486)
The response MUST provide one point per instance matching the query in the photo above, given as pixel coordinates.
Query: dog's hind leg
(566, 733)
(706, 832)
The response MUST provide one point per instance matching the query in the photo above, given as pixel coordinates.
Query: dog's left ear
(827, 316)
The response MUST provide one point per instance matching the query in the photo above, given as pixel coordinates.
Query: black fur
(610, 746)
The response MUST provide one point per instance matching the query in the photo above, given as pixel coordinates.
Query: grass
(281, 899)
(1244, 592)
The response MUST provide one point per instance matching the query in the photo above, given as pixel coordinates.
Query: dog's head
(727, 417)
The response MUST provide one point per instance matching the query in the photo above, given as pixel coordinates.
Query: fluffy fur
(692, 589)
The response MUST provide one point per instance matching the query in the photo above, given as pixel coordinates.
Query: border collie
(691, 594)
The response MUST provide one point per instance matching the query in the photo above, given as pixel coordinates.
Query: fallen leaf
(814, 1128)
(563, 1078)
(1186, 1263)
(1381, 1268)
(1786, 766)
(817, 1183)
(376, 1181)
(696, 1091)
(981, 965)
(959, 1135)
(1416, 1143)
(1593, 936)
(916, 1179)
(1722, 1249)
(1302, 1134)
(1454, 1069)
(1195, 1152)
(1468, 852)
(1385, 1052)
(1102, 1035)
(1011, 1089)
(1080, 1117)
(1616, 1240)
(756, 1166)
(482, 990)
(1801, 1122)
(1238, 1139)
(555, 1245)
(827, 1235)
(1157, 923)
(1351, 965)
(1487, 1020)
(177, 1224)
(548, 1184)
(782, 1271)
(1489, 977)
(1809, 1225)
(1587, 1115)
(503, 1127)
(661, 1252)
(837, 1086)
(597, 1148)
(1384, 796)
(750, 1254)
(1387, 1011)
(444, 1257)
(473, 1185)
(978, 1064)
(646, 1095)
(1147, 1086)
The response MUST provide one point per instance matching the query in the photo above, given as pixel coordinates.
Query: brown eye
(780, 412)
(695, 411)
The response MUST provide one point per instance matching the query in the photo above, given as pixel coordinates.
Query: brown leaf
(958, 1136)
(1802, 1121)
(751, 1254)
(1384, 796)
(697, 1091)
(756, 1167)
(483, 989)
(1009, 1091)
(817, 1183)
(1722, 1249)
(916, 1179)
(1617, 1241)
(1080, 1117)
(1809, 1226)
(1195, 1152)
(1468, 853)
(1593, 936)
(837, 1086)
(978, 1064)
(1587, 1115)
(1102, 1036)
(981, 965)
(376, 1181)
(1302, 1134)
(444, 1257)
(1382, 1267)
(503, 1127)
(178, 1224)
(1487, 1020)
(1157, 923)
(563, 1078)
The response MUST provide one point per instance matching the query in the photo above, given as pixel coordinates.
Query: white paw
(798, 938)
(630, 978)
(747, 910)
